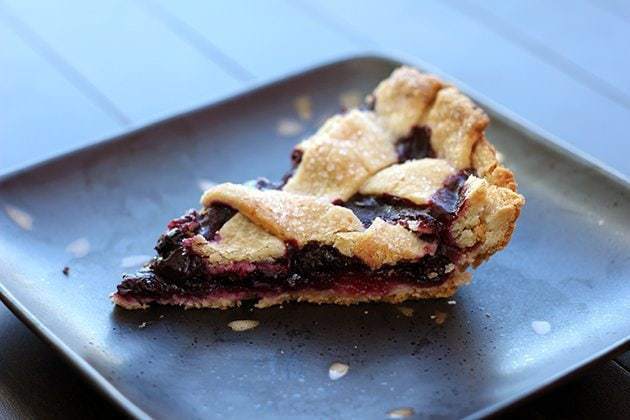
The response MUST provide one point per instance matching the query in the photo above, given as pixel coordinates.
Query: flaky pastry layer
(355, 152)
(358, 152)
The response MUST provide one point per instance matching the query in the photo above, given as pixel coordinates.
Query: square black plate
(568, 264)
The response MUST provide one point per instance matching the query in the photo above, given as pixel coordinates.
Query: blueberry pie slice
(387, 203)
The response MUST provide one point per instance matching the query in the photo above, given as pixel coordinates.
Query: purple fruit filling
(416, 145)
(179, 271)
(296, 159)
(391, 209)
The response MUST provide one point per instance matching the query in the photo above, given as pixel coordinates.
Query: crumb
(66, 271)
(365, 312)
(143, 325)
(243, 324)
(19, 217)
(487, 315)
(439, 317)
(541, 327)
(413, 225)
(600, 222)
(161, 316)
(406, 311)
(79, 247)
(288, 128)
(400, 413)
(350, 99)
(451, 302)
(337, 370)
(303, 107)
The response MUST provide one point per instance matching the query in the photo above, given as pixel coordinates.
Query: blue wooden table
(74, 72)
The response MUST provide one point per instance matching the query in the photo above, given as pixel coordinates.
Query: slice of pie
(387, 203)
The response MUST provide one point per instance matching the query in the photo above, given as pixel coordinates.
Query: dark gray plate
(568, 264)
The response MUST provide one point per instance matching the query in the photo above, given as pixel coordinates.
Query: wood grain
(269, 38)
(131, 57)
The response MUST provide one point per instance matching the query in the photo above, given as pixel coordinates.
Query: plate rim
(98, 382)
(121, 401)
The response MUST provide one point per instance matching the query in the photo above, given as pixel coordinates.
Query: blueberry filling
(296, 159)
(446, 201)
(265, 184)
(206, 223)
(178, 271)
(314, 266)
(391, 209)
(416, 145)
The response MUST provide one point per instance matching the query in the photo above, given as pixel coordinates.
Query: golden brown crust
(486, 165)
(239, 240)
(356, 153)
(415, 180)
(486, 221)
(289, 217)
(383, 243)
(345, 152)
(409, 98)
(280, 216)
(403, 99)
(456, 125)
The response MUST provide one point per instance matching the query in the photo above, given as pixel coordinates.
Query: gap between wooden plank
(312, 9)
(507, 31)
(197, 40)
(137, 61)
(44, 114)
(336, 23)
(587, 35)
(67, 71)
(272, 38)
